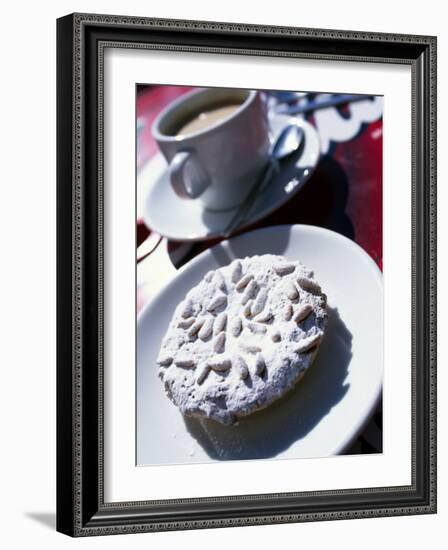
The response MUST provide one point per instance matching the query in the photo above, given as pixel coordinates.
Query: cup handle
(196, 182)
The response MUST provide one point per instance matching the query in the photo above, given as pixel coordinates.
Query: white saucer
(327, 409)
(186, 220)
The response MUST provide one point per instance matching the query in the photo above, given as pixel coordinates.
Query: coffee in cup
(207, 118)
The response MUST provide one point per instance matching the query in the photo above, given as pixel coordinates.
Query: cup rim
(159, 136)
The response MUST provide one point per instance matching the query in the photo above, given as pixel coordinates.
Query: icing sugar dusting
(242, 337)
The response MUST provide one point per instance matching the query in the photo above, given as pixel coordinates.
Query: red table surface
(344, 193)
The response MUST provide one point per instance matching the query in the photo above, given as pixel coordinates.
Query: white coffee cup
(219, 163)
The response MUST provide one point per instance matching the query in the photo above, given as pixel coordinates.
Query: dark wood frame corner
(81, 39)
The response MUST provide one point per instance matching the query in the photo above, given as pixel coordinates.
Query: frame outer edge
(433, 274)
(273, 30)
(75, 512)
(65, 372)
(77, 270)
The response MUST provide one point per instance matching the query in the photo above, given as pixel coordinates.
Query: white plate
(326, 410)
(186, 220)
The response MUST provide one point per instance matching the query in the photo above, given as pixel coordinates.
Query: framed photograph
(246, 274)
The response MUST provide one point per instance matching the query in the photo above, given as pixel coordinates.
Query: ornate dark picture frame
(81, 39)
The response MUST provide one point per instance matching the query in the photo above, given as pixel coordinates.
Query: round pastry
(243, 337)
